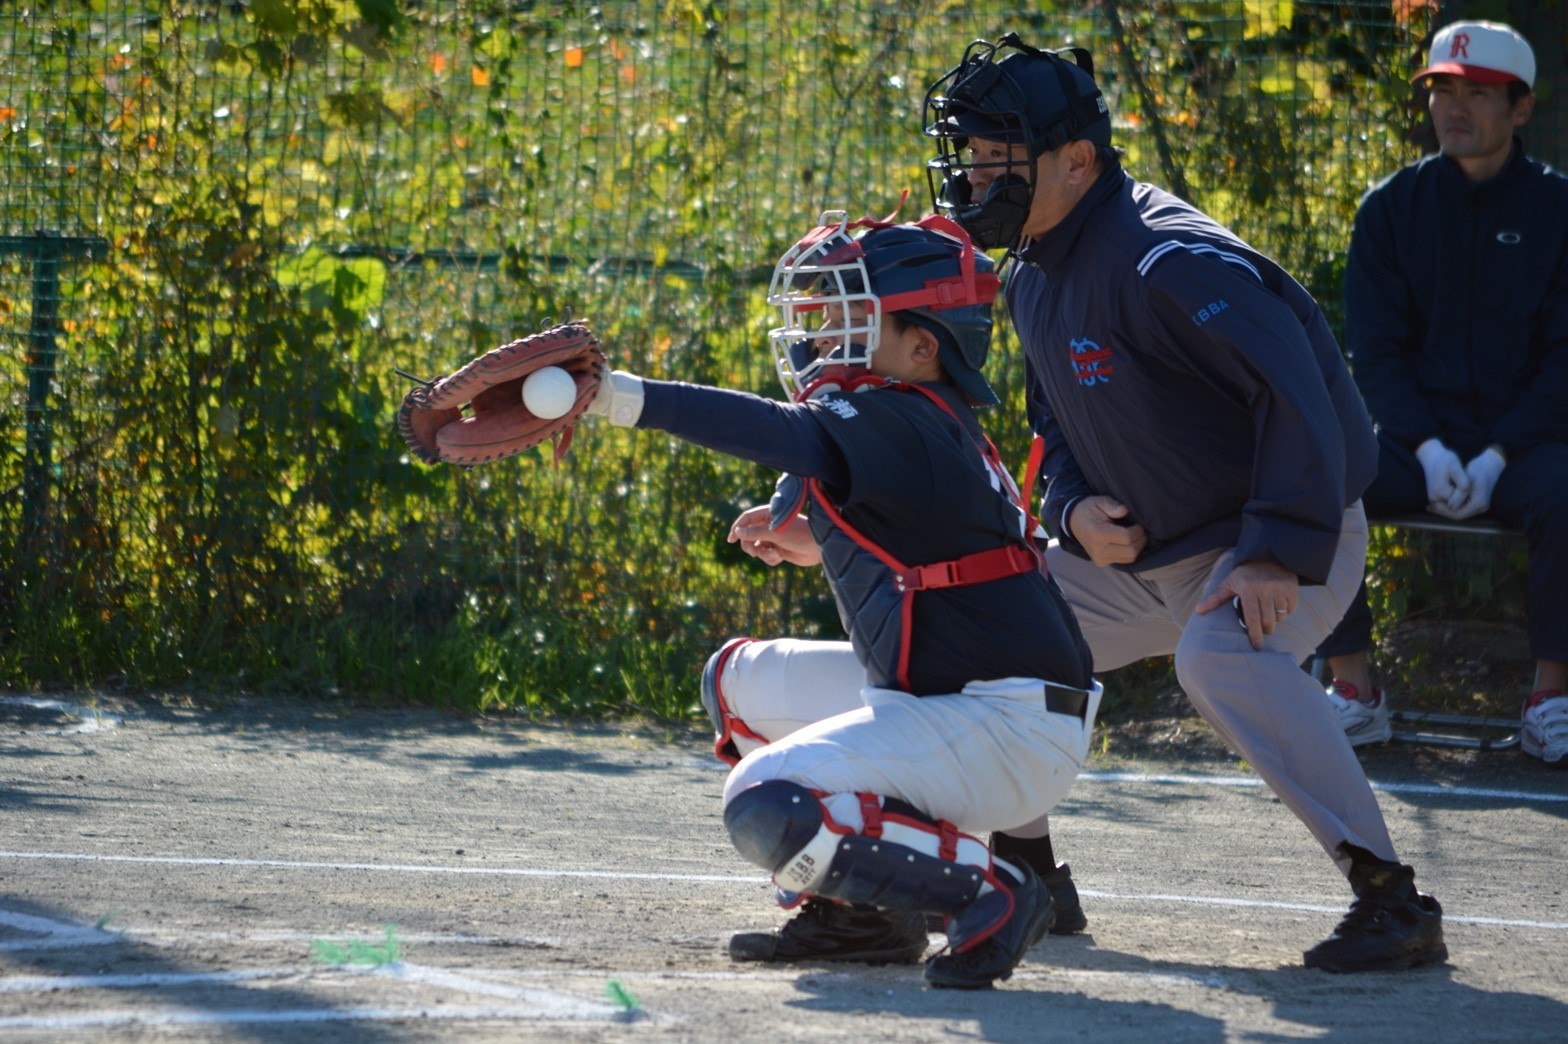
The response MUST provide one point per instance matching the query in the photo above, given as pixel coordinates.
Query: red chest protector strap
(976, 568)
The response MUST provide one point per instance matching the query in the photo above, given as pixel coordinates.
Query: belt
(1059, 699)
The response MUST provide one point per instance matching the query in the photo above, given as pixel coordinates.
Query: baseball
(549, 392)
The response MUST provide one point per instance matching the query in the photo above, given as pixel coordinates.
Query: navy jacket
(1173, 367)
(1456, 305)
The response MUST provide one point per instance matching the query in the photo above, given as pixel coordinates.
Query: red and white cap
(1486, 52)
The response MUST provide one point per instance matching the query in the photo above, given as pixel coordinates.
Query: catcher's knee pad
(782, 827)
(726, 725)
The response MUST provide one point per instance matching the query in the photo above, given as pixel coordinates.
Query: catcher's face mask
(832, 324)
(835, 290)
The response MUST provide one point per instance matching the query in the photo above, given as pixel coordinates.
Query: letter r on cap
(1461, 46)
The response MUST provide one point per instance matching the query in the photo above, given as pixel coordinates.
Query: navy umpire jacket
(1173, 367)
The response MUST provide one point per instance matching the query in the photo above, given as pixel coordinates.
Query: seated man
(1456, 323)
(970, 704)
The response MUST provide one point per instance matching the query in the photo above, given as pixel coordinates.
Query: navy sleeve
(1378, 329)
(779, 435)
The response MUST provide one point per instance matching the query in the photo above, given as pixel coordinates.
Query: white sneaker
(1546, 727)
(1362, 723)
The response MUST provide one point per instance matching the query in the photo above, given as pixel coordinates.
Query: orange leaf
(7, 114)
(629, 73)
(479, 76)
(438, 63)
(574, 57)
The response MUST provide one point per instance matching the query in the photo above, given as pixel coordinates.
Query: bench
(1505, 731)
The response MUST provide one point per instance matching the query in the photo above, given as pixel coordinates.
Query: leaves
(305, 195)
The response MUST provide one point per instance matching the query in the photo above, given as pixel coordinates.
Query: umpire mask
(1036, 98)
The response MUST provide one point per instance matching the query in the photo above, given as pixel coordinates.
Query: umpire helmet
(837, 282)
(1036, 98)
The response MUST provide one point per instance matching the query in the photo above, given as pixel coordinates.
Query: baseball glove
(477, 414)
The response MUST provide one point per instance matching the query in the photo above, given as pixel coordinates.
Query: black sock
(1036, 851)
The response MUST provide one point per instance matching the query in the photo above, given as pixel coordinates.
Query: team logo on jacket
(840, 406)
(1091, 364)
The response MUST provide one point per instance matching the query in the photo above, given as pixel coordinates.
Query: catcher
(978, 701)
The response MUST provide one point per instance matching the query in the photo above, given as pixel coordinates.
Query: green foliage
(299, 196)
(1415, 574)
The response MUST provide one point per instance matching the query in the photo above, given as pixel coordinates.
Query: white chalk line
(1424, 789)
(88, 719)
(141, 981)
(1114, 897)
(398, 868)
(442, 1013)
(87, 938)
(532, 1003)
(561, 1007)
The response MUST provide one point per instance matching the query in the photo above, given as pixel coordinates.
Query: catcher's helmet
(1036, 98)
(834, 286)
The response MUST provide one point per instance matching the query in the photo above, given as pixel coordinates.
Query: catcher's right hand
(496, 424)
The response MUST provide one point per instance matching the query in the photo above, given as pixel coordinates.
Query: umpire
(1203, 450)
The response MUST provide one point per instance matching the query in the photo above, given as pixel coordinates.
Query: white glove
(1483, 473)
(1447, 485)
(619, 399)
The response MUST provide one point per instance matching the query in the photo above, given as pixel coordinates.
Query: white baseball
(549, 392)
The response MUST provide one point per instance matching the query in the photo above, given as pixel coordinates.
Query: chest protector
(875, 588)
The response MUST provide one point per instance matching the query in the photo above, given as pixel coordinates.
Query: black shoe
(827, 931)
(1389, 926)
(1070, 917)
(995, 957)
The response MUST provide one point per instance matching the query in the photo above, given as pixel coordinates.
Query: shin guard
(898, 859)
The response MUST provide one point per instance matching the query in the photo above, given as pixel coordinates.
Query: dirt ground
(286, 871)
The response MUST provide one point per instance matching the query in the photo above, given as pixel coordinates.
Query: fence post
(46, 249)
(41, 352)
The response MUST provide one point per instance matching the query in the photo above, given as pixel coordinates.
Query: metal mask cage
(997, 106)
(831, 320)
(977, 87)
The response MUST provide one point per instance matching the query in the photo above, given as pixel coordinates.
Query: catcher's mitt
(496, 424)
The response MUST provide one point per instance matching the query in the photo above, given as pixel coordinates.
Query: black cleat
(1389, 926)
(994, 958)
(1070, 918)
(827, 931)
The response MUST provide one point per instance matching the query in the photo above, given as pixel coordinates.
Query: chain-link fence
(223, 224)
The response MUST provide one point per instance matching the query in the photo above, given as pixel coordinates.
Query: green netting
(224, 224)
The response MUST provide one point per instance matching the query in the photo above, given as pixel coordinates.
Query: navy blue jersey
(911, 477)
(1176, 369)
